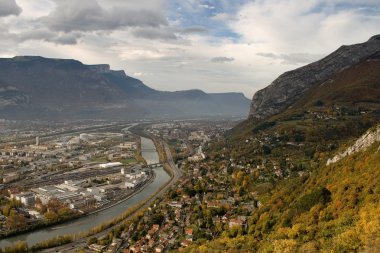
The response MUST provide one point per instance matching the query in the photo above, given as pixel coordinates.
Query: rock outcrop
(287, 88)
(365, 141)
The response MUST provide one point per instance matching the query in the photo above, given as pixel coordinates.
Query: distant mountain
(37, 87)
(290, 86)
(11, 96)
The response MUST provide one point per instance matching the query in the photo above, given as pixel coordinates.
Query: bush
(306, 202)
(264, 126)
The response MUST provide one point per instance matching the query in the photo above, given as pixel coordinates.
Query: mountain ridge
(289, 86)
(67, 88)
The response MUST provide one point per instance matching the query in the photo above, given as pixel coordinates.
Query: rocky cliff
(287, 88)
(365, 141)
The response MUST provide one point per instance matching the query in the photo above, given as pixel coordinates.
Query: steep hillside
(280, 160)
(335, 209)
(355, 87)
(323, 119)
(365, 141)
(290, 86)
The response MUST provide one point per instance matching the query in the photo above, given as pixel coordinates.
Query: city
(69, 173)
(190, 126)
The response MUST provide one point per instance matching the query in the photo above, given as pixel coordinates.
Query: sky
(213, 45)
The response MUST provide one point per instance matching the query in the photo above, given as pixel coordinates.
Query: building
(10, 177)
(26, 198)
(48, 193)
(131, 183)
(128, 145)
(135, 175)
(82, 203)
(125, 171)
(35, 214)
(241, 221)
(110, 165)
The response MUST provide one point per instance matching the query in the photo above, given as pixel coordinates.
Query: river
(86, 223)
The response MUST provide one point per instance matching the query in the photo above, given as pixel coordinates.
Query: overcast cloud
(9, 7)
(214, 45)
(73, 15)
(222, 59)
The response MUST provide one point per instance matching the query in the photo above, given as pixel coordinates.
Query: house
(189, 231)
(175, 204)
(241, 221)
(185, 243)
(213, 204)
(150, 234)
(159, 249)
(151, 243)
(156, 227)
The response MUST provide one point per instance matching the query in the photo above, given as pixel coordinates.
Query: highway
(176, 175)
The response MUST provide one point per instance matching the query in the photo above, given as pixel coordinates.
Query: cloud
(65, 39)
(194, 29)
(138, 74)
(224, 17)
(9, 7)
(130, 53)
(47, 35)
(316, 25)
(293, 58)
(87, 16)
(207, 6)
(154, 33)
(222, 59)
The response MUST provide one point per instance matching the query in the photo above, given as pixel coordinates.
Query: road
(176, 175)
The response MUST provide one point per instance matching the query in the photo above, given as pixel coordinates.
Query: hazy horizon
(216, 46)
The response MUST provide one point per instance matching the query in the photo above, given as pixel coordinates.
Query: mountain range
(37, 87)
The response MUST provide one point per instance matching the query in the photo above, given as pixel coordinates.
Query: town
(102, 168)
(51, 176)
(59, 178)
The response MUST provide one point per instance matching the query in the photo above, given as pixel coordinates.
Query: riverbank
(106, 228)
(85, 224)
(44, 224)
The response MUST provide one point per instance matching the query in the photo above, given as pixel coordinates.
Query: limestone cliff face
(287, 88)
(365, 141)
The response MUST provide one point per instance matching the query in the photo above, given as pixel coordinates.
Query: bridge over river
(154, 165)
